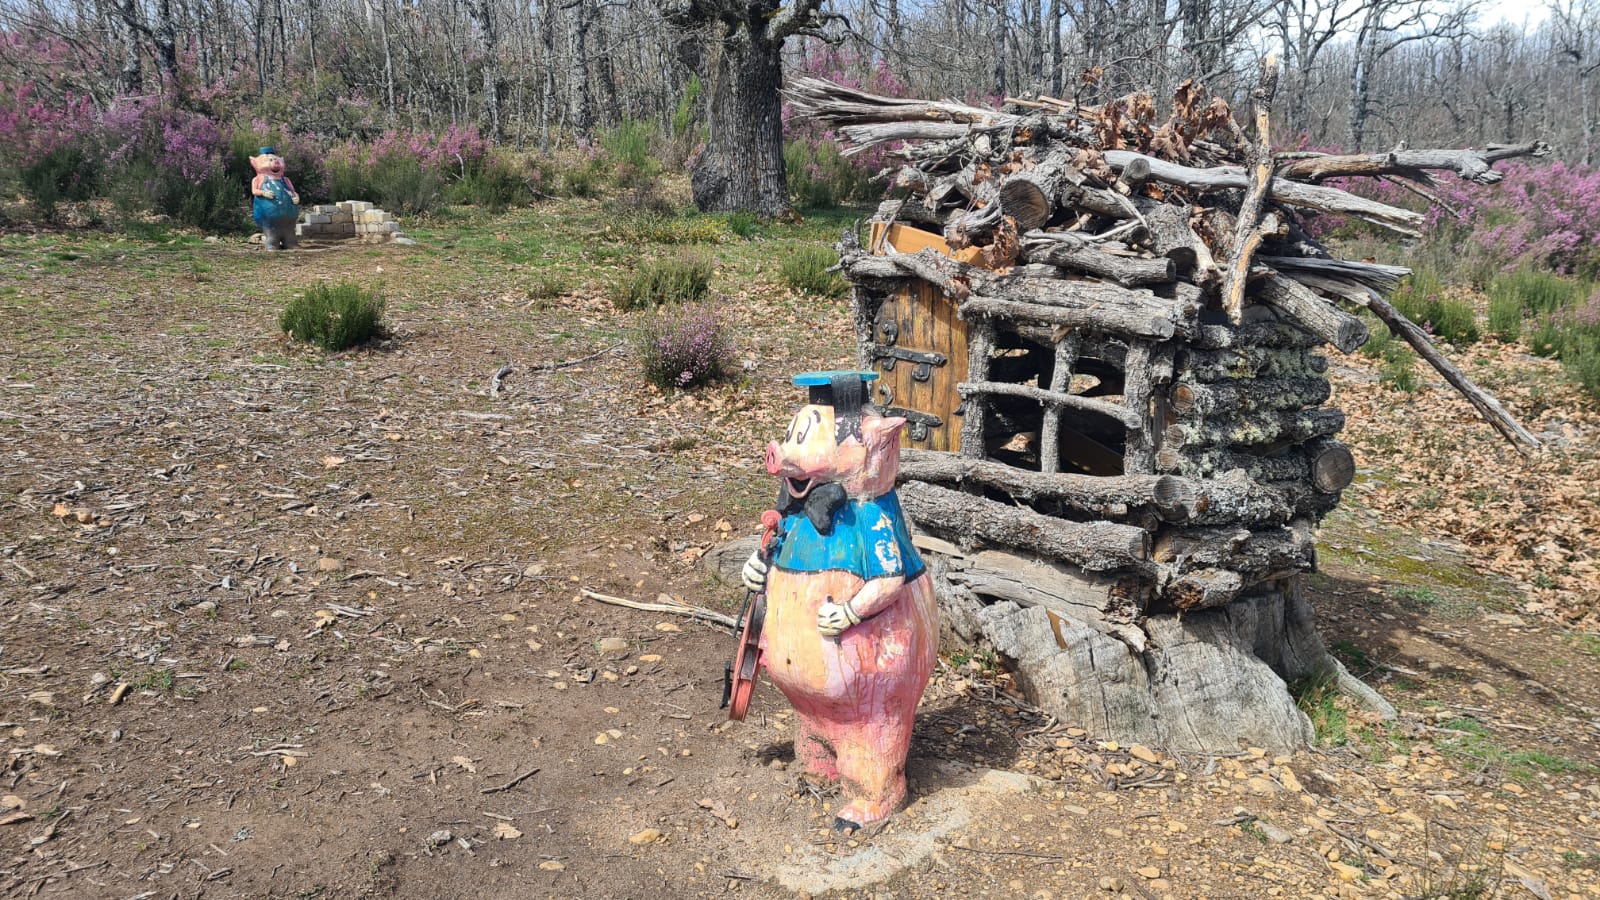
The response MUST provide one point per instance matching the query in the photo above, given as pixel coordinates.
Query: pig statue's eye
(800, 428)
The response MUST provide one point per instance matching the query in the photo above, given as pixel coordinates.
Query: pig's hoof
(845, 827)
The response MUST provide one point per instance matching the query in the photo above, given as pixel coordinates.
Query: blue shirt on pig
(869, 539)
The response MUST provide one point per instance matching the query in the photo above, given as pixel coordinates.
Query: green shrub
(1537, 291)
(396, 181)
(542, 176)
(1582, 362)
(1421, 298)
(1400, 371)
(334, 317)
(401, 184)
(683, 348)
(494, 187)
(678, 279)
(655, 229)
(820, 176)
(216, 204)
(1546, 338)
(634, 167)
(1318, 697)
(1397, 370)
(1379, 338)
(1572, 335)
(582, 180)
(806, 270)
(628, 145)
(1454, 320)
(548, 284)
(641, 198)
(673, 149)
(743, 224)
(1505, 316)
(683, 115)
(65, 173)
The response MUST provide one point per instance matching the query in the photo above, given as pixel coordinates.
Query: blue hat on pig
(845, 391)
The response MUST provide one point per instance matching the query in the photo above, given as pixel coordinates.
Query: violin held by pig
(848, 629)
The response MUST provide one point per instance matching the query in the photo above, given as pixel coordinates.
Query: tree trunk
(1366, 56)
(283, 44)
(742, 166)
(578, 108)
(547, 40)
(1000, 33)
(388, 59)
(163, 37)
(483, 12)
(260, 48)
(311, 35)
(1054, 24)
(131, 78)
(607, 77)
(896, 31)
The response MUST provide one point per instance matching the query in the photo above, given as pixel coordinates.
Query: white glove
(834, 618)
(755, 572)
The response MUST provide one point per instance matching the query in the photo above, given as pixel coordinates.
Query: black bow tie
(819, 505)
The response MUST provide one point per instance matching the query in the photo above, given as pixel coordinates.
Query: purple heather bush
(683, 347)
(171, 161)
(31, 129)
(49, 149)
(408, 171)
(192, 165)
(1542, 215)
(819, 172)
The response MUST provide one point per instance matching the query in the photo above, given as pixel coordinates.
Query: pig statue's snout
(772, 457)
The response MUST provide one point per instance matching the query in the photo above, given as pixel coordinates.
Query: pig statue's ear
(879, 430)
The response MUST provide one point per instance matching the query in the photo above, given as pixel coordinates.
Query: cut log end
(1026, 202)
(1205, 589)
(1333, 467)
(1134, 175)
(1176, 499)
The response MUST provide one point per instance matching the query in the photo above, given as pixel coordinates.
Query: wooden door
(919, 350)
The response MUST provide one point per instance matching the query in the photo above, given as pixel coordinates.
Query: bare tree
(742, 64)
(1574, 29)
(483, 15)
(1367, 71)
(1385, 26)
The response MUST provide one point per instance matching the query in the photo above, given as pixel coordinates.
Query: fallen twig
(1049, 856)
(510, 784)
(494, 383)
(693, 612)
(546, 367)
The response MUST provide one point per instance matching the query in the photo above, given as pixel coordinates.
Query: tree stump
(1209, 680)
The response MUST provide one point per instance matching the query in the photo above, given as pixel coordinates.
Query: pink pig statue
(851, 630)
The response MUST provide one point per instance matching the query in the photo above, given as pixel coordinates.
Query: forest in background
(116, 111)
(1359, 74)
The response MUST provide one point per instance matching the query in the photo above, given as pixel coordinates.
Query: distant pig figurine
(851, 630)
(275, 207)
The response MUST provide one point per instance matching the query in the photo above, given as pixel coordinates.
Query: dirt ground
(277, 624)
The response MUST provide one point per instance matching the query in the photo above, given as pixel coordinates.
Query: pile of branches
(1187, 205)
